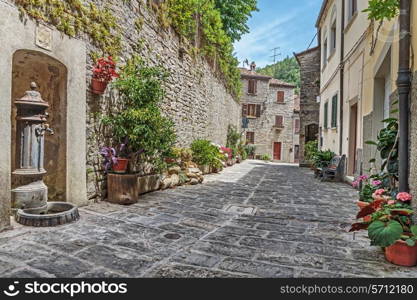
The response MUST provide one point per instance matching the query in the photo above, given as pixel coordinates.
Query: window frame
(278, 97)
(251, 139)
(335, 106)
(252, 87)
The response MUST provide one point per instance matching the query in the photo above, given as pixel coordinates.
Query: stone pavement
(298, 230)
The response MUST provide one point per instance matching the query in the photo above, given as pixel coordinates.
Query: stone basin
(53, 214)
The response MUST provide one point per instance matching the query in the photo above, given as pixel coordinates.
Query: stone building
(273, 122)
(196, 99)
(309, 62)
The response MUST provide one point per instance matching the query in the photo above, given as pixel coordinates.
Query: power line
(274, 57)
(312, 41)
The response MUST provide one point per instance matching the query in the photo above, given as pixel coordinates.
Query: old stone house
(309, 62)
(196, 99)
(273, 121)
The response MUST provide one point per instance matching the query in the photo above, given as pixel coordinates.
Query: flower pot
(98, 87)
(401, 254)
(362, 204)
(121, 166)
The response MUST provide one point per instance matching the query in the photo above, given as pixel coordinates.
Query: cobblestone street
(252, 220)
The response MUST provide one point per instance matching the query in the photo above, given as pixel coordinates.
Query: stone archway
(51, 77)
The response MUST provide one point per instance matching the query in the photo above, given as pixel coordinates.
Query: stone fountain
(30, 198)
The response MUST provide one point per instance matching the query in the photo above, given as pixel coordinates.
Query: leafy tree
(286, 70)
(235, 15)
(378, 10)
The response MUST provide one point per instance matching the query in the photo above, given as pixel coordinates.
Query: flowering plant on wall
(103, 72)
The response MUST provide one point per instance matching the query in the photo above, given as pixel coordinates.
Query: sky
(288, 24)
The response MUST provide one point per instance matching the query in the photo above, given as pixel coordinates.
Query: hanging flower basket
(98, 87)
(104, 71)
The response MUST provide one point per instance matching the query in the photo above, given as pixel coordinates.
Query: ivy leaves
(379, 10)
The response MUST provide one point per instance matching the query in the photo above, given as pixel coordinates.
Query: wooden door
(353, 136)
(277, 151)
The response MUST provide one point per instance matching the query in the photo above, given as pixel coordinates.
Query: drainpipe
(403, 85)
(342, 68)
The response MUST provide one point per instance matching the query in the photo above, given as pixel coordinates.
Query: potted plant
(112, 161)
(391, 228)
(103, 73)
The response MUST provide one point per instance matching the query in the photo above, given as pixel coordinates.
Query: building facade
(269, 105)
(359, 69)
(309, 62)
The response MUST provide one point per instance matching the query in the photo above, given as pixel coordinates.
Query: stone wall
(309, 62)
(196, 99)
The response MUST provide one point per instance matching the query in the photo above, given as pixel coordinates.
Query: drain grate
(241, 210)
(172, 236)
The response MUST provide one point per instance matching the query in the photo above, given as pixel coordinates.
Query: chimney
(253, 66)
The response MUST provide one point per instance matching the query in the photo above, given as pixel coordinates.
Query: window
(352, 8)
(251, 110)
(325, 45)
(334, 111)
(250, 137)
(326, 115)
(280, 96)
(252, 86)
(333, 38)
(279, 121)
(297, 126)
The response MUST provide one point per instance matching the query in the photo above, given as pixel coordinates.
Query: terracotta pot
(362, 204)
(121, 166)
(98, 87)
(401, 254)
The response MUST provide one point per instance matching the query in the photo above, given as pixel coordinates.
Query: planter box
(147, 184)
(125, 189)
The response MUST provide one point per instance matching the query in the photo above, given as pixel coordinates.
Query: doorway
(353, 139)
(277, 150)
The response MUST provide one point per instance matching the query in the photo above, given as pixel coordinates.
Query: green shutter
(334, 112)
(326, 114)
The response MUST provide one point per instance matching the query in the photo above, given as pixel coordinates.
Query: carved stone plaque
(43, 37)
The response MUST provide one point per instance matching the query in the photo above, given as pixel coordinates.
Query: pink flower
(355, 184)
(391, 202)
(379, 192)
(376, 182)
(404, 197)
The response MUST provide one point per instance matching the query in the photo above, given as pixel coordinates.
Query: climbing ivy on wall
(200, 22)
(73, 17)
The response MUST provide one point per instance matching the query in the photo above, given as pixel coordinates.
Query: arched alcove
(51, 77)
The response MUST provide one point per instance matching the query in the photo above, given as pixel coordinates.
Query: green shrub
(149, 135)
(250, 149)
(322, 158)
(311, 150)
(206, 154)
(265, 157)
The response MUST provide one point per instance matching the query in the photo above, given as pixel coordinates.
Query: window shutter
(326, 114)
(244, 110)
(334, 112)
(279, 121)
(255, 86)
(258, 110)
(297, 126)
(250, 86)
(280, 97)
